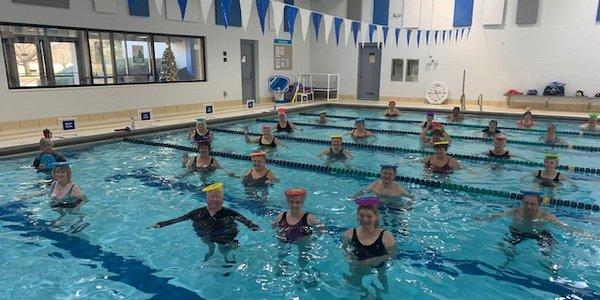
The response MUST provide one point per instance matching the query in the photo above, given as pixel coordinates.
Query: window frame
(401, 76)
(408, 77)
(87, 61)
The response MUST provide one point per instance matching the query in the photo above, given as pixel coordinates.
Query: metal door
(248, 60)
(369, 69)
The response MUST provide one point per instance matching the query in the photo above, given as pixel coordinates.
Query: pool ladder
(480, 102)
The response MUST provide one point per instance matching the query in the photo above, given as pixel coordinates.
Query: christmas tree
(168, 67)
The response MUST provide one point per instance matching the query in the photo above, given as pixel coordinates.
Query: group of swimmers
(369, 245)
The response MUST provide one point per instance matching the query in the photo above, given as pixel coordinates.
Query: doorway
(248, 61)
(369, 72)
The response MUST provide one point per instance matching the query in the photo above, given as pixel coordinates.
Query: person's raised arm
(176, 220)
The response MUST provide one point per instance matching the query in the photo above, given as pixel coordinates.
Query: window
(39, 56)
(397, 69)
(412, 70)
(188, 61)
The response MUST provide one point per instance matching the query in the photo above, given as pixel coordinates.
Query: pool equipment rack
(367, 174)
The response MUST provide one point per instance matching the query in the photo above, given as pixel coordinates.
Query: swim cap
(551, 155)
(367, 201)
(392, 102)
(430, 113)
(294, 192)
(213, 187)
(258, 153)
(200, 120)
(322, 112)
(336, 136)
(441, 143)
(281, 111)
(265, 126)
(500, 137)
(594, 115)
(360, 120)
(389, 166)
(531, 193)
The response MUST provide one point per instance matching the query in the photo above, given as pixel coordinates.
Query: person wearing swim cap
(213, 223)
(359, 131)
(499, 150)
(266, 140)
(551, 137)
(335, 151)
(491, 130)
(322, 120)
(200, 132)
(438, 134)
(44, 162)
(259, 176)
(592, 124)
(455, 116)
(428, 123)
(441, 162)
(549, 177)
(526, 121)
(368, 246)
(295, 224)
(202, 163)
(386, 188)
(283, 125)
(391, 111)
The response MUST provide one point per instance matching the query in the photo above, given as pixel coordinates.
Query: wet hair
(528, 113)
(456, 108)
(374, 209)
(493, 121)
(66, 168)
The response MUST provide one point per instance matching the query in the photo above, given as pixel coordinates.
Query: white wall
(222, 76)
(560, 47)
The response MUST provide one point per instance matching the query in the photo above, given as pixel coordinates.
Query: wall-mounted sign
(282, 54)
(209, 108)
(250, 104)
(67, 126)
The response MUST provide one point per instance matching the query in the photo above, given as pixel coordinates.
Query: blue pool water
(106, 251)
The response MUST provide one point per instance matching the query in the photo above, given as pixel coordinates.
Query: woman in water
(201, 132)
(491, 130)
(391, 111)
(259, 176)
(322, 120)
(283, 125)
(455, 116)
(551, 138)
(441, 162)
(428, 123)
(44, 162)
(499, 151)
(295, 224)
(66, 198)
(359, 131)
(336, 152)
(202, 163)
(265, 140)
(592, 124)
(549, 177)
(527, 120)
(368, 246)
(436, 135)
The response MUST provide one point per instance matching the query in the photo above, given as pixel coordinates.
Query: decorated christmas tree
(168, 67)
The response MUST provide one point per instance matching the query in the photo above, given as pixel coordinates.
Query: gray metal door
(248, 70)
(369, 69)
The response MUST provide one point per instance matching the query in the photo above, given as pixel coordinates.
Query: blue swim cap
(531, 193)
(360, 120)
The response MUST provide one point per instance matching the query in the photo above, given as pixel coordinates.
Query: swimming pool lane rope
(592, 134)
(460, 137)
(363, 174)
(417, 151)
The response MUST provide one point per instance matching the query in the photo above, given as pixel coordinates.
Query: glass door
(30, 64)
(64, 63)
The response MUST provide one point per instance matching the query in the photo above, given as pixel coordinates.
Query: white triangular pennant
(347, 30)
(364, 30)
(159, 5)
(245, 9)
(379, 35)
(205, 6)
(328, 22)
(305, 20)
(277, 15)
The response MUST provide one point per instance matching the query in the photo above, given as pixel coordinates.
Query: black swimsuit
(201, 169)
(249, 181)
(339, 155)
(272, 144)
(287, 127)
(546, 181)
(494, 155)
(363, 252)
(198, 136)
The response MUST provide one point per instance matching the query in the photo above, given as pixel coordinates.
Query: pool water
(107, 251)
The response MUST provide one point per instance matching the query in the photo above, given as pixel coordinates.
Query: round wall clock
(436, 93)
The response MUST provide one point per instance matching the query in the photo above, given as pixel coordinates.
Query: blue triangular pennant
(397, 36)
(443, 36)
(372, 29)
(290, 13)
(408, 31)
(355, 30)
(427, 38)
(316, 18)
(418, 38)
(139, 8)
(224, 10)
(462, 33)
(262, 7)
(435, 37)
(456, 36)
(385, 33)
(337, 25)
(468, 32)
(182, 7)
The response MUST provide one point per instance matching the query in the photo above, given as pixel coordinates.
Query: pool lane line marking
(132, 272)
(460, 137)
(416, 151)
(428, 259)
(358, 173)
(580, 133)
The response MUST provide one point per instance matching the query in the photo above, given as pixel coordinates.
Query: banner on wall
(305, 20)
(262, 6)
(408, 32)
(364, 30)
(182, 7)
(245, 10)
(277, 15)
(290, 17)
(355, 29)
(337, 26)
(385, 30)
(418, 38)
(316, 18)
(327, 21)
(397, 36)
(205, 6)
(427, 37)
(372, 29)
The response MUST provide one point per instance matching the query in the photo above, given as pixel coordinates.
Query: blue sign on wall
(282, 42)
(68, 125)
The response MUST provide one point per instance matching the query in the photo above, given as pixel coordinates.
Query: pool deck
(12, 143)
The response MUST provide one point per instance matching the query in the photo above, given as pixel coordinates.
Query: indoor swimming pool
(106, 250)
